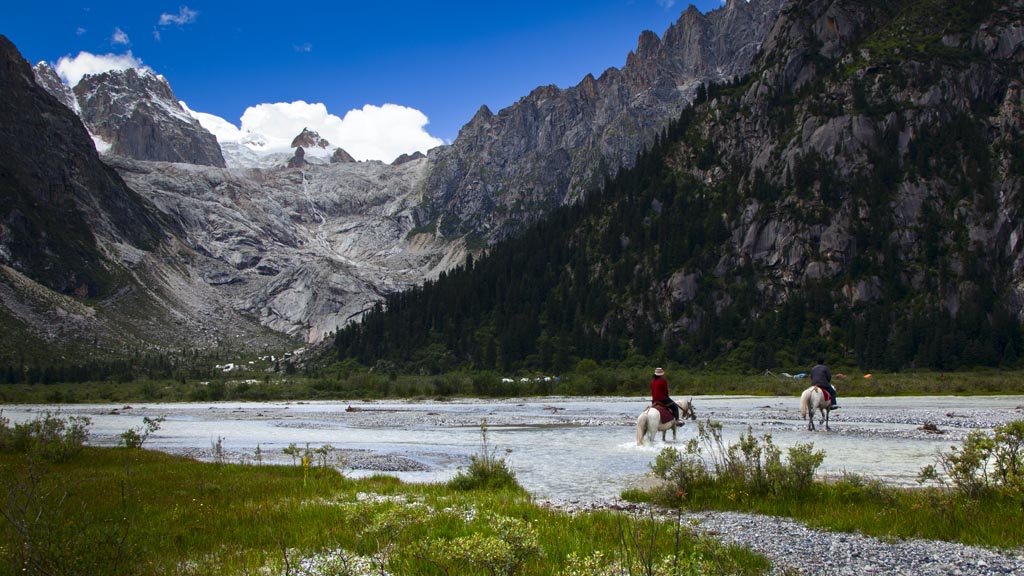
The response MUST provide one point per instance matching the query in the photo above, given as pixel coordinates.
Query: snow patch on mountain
(102, 146)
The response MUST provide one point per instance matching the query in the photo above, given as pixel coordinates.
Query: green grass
(853, 505)
(979, 501)
(354, 384)
(122, 511)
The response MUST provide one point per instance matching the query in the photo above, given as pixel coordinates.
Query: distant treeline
(137, 366)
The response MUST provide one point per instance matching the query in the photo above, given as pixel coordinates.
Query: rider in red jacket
(659, 393)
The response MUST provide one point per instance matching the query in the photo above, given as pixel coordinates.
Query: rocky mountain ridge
(869, 178)
(858, 196)
(88, 266)
(58, 196)
(180, 255)
(506, 170)
(134, 113)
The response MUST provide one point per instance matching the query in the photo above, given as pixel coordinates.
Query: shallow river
(560, 448)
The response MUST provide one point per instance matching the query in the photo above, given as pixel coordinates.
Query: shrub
(984, 463)
(486, 470)
(803, 463)
(51, 437)
(681, 471)
(753, 465)
(503, 553)
(136, 437)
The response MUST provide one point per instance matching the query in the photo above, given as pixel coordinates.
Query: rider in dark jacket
(820, 376)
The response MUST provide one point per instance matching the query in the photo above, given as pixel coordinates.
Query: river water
(560, 448)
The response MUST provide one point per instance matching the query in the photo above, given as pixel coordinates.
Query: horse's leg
(827, 412)
(642, 426)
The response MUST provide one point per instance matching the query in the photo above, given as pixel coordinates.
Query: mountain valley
(762, 182)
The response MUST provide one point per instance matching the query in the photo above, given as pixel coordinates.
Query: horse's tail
(805, 403)
(641, 428)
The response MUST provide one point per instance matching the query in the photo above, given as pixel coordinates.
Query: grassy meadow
(130, 511)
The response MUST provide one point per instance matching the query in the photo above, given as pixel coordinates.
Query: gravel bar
(794, 548)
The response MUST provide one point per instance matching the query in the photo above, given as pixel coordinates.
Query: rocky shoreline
(795, 548)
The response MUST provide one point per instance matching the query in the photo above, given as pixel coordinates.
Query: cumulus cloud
(224, 131)
(370, 133)
(119, 37)
(71, 69)
(184, 16)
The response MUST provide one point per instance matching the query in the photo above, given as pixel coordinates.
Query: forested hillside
(857, 196)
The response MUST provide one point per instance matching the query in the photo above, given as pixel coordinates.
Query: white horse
(814, 399)
(649, 422)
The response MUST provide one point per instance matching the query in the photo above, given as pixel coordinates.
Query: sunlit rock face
(505, 170)
(136, 112)
(304, 250)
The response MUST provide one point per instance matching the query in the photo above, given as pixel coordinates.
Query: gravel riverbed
(794, 548)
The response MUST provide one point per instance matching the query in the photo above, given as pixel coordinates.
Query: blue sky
(444, 59)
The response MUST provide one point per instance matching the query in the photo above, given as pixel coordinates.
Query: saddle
(828, 397)
(664, 411)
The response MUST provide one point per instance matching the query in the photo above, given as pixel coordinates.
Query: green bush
(51, 437)
(751, 466)
(984, 463)
(136, 437)
(486, 470)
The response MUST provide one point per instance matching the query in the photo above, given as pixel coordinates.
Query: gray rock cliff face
(505, 170)
(59, 200)
(918, 145)
(303, 250)
(86, 263)
(47, 79)
(136, 113)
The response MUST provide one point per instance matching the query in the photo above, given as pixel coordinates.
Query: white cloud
(71, 69)
(224, 131)
(184, 16)
(156, 34)
(667, 4)
(79, 31)
(119, 37)
(304, 47)
(370, 133)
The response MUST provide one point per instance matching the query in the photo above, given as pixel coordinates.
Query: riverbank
(795, 548)
(450, 430)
